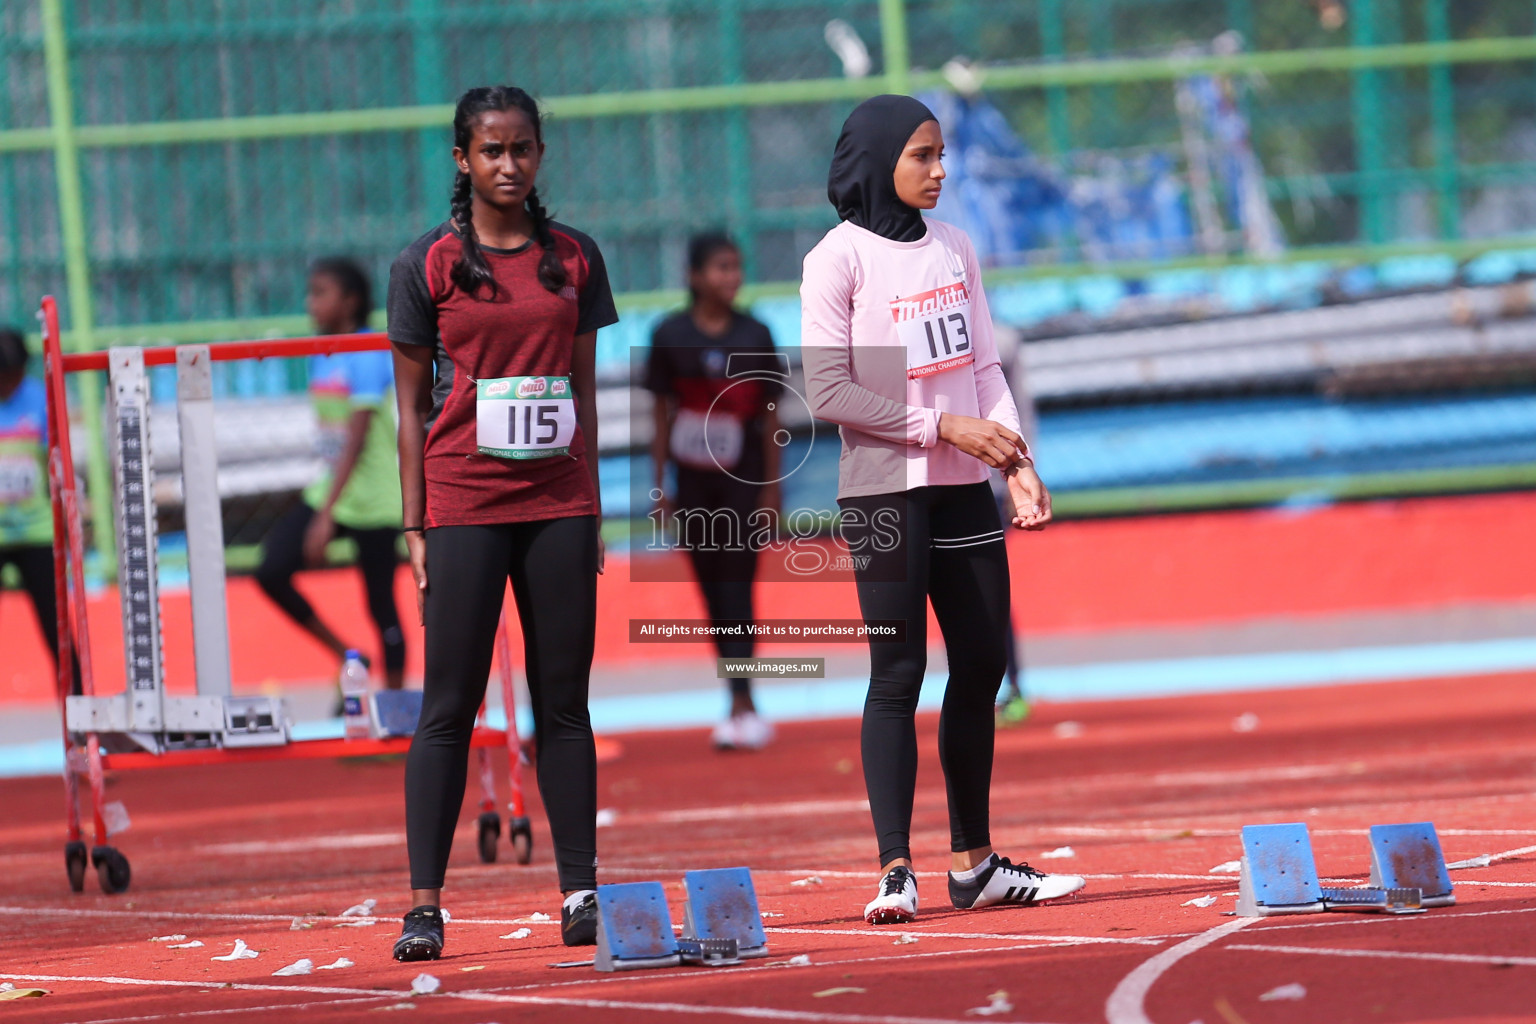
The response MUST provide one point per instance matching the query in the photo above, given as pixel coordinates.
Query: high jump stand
(144, 727)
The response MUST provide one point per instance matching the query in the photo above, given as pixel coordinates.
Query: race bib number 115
(524, 417)
(934, 327)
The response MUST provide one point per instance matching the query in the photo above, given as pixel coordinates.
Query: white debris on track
(240, 952)
(1292, 991)
(999, 1003)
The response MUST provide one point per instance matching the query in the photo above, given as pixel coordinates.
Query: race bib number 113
(934, 327)
(524, 417)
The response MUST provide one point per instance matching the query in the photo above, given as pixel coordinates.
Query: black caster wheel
(112, 869)
(75, 860)
(520, 831)
(490, 835)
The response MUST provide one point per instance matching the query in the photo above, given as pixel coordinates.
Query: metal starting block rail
(144, 726)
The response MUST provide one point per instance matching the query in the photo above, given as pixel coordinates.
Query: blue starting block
(1278, 874)
(634, 928)
(396, 712)
(721, 907)
(1408, 857)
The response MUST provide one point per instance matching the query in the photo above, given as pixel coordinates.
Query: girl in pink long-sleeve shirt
(899, 352)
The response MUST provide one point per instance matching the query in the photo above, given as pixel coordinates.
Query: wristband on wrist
(413, 529)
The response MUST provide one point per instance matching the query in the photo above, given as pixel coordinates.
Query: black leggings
(282, 555)
(725, 574)
(34, 563)
(552, 564)
(943, 544)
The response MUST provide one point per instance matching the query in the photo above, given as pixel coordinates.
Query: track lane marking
(231, 1010)
(777, 966)
(488, 996)
(1074, 940)
(1466, 865)
(1391, 954)
(1127, 1003)
(752, 1012)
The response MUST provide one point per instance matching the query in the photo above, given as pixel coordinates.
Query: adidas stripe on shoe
(897, 899)
(1000, 881)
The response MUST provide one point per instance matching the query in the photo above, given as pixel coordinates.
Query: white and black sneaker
(1000, 881)
(897, 901)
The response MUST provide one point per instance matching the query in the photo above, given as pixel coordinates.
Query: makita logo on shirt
(916, 307)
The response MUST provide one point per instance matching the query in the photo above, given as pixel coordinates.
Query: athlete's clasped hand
(988, 441)
(1001, 448)
(1031, 501)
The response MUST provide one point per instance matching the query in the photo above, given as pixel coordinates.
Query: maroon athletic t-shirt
(525, 331)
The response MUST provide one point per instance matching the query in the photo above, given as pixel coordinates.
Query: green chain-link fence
(168, 168)
(221, 144)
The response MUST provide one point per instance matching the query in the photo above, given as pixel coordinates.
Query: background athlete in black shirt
(712, 369)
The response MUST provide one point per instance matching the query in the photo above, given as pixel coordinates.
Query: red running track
(1150, 795)
(1076, 576)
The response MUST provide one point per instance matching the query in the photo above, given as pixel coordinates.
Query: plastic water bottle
(354, 697)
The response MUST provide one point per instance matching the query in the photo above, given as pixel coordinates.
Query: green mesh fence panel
(212, 230)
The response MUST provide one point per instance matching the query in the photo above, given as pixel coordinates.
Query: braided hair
(471, 272)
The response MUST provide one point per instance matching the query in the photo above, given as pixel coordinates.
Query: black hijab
(860, 183)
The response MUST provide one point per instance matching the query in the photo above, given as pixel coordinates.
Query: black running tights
(552, 564)
(725, 568)
(34, 563)
(942, 544)
(282, 555)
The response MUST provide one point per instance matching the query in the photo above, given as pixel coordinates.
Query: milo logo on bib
(934, 327)
(532, 387)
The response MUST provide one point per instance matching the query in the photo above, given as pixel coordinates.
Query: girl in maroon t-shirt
(494, 318)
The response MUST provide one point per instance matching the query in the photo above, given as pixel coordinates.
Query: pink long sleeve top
(893, 334)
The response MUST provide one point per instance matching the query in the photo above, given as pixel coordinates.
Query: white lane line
(1440, 915)
(789, 808)
(779, 965)
(307, 844)
(1070, 940)
(189, 915)
(484, 996)
(752, 1012)
(501, 921)
(197, 915)
(232, 1010)
(209, 984)
(1171, 833)
(1127, 1003)
(1391, 954)
(1492, 857)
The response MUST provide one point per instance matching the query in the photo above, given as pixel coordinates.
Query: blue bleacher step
(634, 928)
(722, 904)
